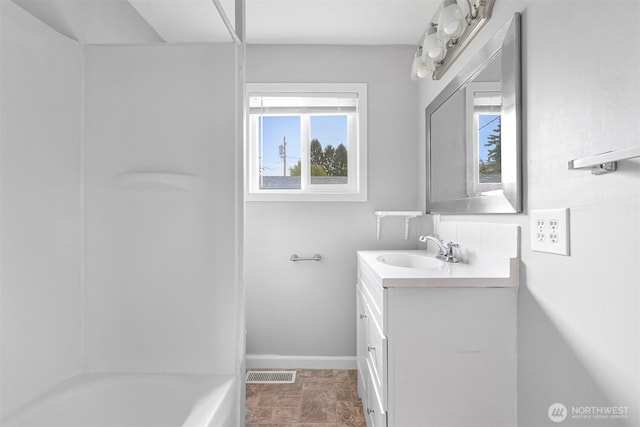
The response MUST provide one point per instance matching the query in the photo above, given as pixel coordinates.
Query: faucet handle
(450, 255)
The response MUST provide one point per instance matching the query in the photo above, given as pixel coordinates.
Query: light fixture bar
(477, 16)
(482, 11)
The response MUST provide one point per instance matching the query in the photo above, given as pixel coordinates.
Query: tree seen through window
(490, 146)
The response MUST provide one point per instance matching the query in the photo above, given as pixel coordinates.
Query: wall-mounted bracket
(406, 214)
(604, 162)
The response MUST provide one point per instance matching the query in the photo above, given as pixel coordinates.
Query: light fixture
(420, 69)
(449, 32)
(451, 22)
(434, 49)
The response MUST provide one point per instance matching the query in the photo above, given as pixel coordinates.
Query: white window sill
(276, 196)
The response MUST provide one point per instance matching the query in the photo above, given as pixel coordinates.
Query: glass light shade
(451, 22)
(420, 69)
(433, 49)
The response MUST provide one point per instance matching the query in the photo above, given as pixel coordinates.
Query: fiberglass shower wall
(40, 207)
(119, 208)
(160, 289)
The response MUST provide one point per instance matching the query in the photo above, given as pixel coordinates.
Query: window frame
(356, 188)
(492, 89)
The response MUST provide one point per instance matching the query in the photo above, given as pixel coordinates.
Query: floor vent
(271, 377)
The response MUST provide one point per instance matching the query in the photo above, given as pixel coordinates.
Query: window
(307, 142)
(484, 156)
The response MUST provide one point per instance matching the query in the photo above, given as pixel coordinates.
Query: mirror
(473, 133)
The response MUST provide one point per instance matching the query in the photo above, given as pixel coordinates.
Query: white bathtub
(134, 400)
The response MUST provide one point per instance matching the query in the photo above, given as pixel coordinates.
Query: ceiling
(267, 21)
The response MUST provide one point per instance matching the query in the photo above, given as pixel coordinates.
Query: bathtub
(134, 400)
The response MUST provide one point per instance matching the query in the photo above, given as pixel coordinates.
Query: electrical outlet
(550, 231)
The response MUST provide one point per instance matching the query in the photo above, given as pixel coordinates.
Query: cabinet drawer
(374, 411)
(374, 291)
(377, 349)
(362, 383)
(362, 329)
(374, 297)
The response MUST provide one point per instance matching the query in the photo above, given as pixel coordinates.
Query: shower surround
(119, 243)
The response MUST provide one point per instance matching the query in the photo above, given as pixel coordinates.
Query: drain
(271, 377)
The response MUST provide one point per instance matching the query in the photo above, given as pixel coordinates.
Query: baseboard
(272, 361)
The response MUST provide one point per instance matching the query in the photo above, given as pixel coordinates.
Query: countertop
(488, 273)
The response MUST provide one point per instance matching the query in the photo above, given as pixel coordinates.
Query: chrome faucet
(445, 252)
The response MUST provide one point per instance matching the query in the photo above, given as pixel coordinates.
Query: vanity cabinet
(372, 361)
(435, 355)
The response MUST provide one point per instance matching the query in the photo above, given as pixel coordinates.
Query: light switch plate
(550, 231)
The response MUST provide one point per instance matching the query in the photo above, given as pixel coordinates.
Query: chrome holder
(296, 258)
(604, 162)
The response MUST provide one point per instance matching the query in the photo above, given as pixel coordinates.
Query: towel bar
(295, 257)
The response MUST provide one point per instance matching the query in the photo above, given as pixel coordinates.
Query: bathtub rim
(222, 387)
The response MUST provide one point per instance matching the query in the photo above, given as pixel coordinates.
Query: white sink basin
(409, 260)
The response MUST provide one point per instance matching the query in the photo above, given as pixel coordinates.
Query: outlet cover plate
(550, 231)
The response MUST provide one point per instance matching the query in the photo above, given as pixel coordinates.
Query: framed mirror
(473, 133)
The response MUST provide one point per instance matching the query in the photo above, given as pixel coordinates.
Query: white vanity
(436, 341)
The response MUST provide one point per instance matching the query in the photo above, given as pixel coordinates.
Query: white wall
(40, 125)
(578, 319)
(308, 308)
(160, 261)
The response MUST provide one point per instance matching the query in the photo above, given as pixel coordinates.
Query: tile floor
(318, 398)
